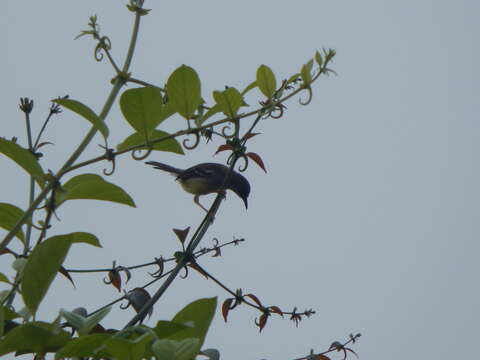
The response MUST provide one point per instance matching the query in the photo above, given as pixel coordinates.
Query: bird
(207, 178)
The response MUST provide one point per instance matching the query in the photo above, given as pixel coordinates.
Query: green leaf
(169, 145)
(143, 108)
(42, 266)
(167, 111)
(123, 349)
(229, 101)
(94, 319)
(318, 58)
(164, 329)
(83, 237)
(33, 337)
(293, 78)
(84, 324)
(77, 321)
(4, 294)
(83, 346)
(4, 278)
(306, 72)
(2, 320)
(6, 315)
(94, 187)
(266, 80)
(9, 216)
(9, 314)
(166, 349)
(198, 315)
(24, 158)
(251, 86)
(183, 89)
(85, 112)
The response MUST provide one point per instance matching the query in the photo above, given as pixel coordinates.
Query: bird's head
(240, 186)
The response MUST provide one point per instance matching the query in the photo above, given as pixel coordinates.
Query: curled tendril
(239, 156)
(159, 273)
(277, 111)
(110, 156)
(245, 164)
(195, 144)
(103, 44)
(106, 43)
(141, 157)
(309, 99)
(111, 171)
(226, 134)
(125, 297)
(186, 273)
(98, 52)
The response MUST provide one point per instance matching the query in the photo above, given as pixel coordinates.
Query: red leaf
(250, 135)
(115, 279)
(321, 357)
(226, 308)
(198, 268)
(263, 321)
(182, 234)
(223, 148)
(255, 157)
(65, 273)
(276, 309)
(44, 143)
(254, 298)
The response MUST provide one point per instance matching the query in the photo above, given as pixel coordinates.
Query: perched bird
(207, 178)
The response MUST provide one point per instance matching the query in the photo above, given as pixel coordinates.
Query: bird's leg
(196, 200)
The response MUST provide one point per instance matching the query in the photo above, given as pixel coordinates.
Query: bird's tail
(164, 167)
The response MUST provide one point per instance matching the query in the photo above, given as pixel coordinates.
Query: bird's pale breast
(197, 186)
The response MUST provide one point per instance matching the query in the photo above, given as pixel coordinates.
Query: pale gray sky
(369, 211)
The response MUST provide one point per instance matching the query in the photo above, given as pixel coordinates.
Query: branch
(196, 254)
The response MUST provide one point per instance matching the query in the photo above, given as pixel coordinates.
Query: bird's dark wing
(205, 170)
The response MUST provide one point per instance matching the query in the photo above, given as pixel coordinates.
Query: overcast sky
(369, 212)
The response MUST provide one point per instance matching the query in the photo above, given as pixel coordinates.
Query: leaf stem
(41, 131)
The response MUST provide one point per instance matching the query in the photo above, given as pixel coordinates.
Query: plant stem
(41, 130)
(28, 234)
(133, 42)
(32, 185)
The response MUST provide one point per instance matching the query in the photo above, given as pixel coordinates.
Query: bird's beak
(246, 203)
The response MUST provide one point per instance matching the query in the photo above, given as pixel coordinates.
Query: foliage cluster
(144, 108)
